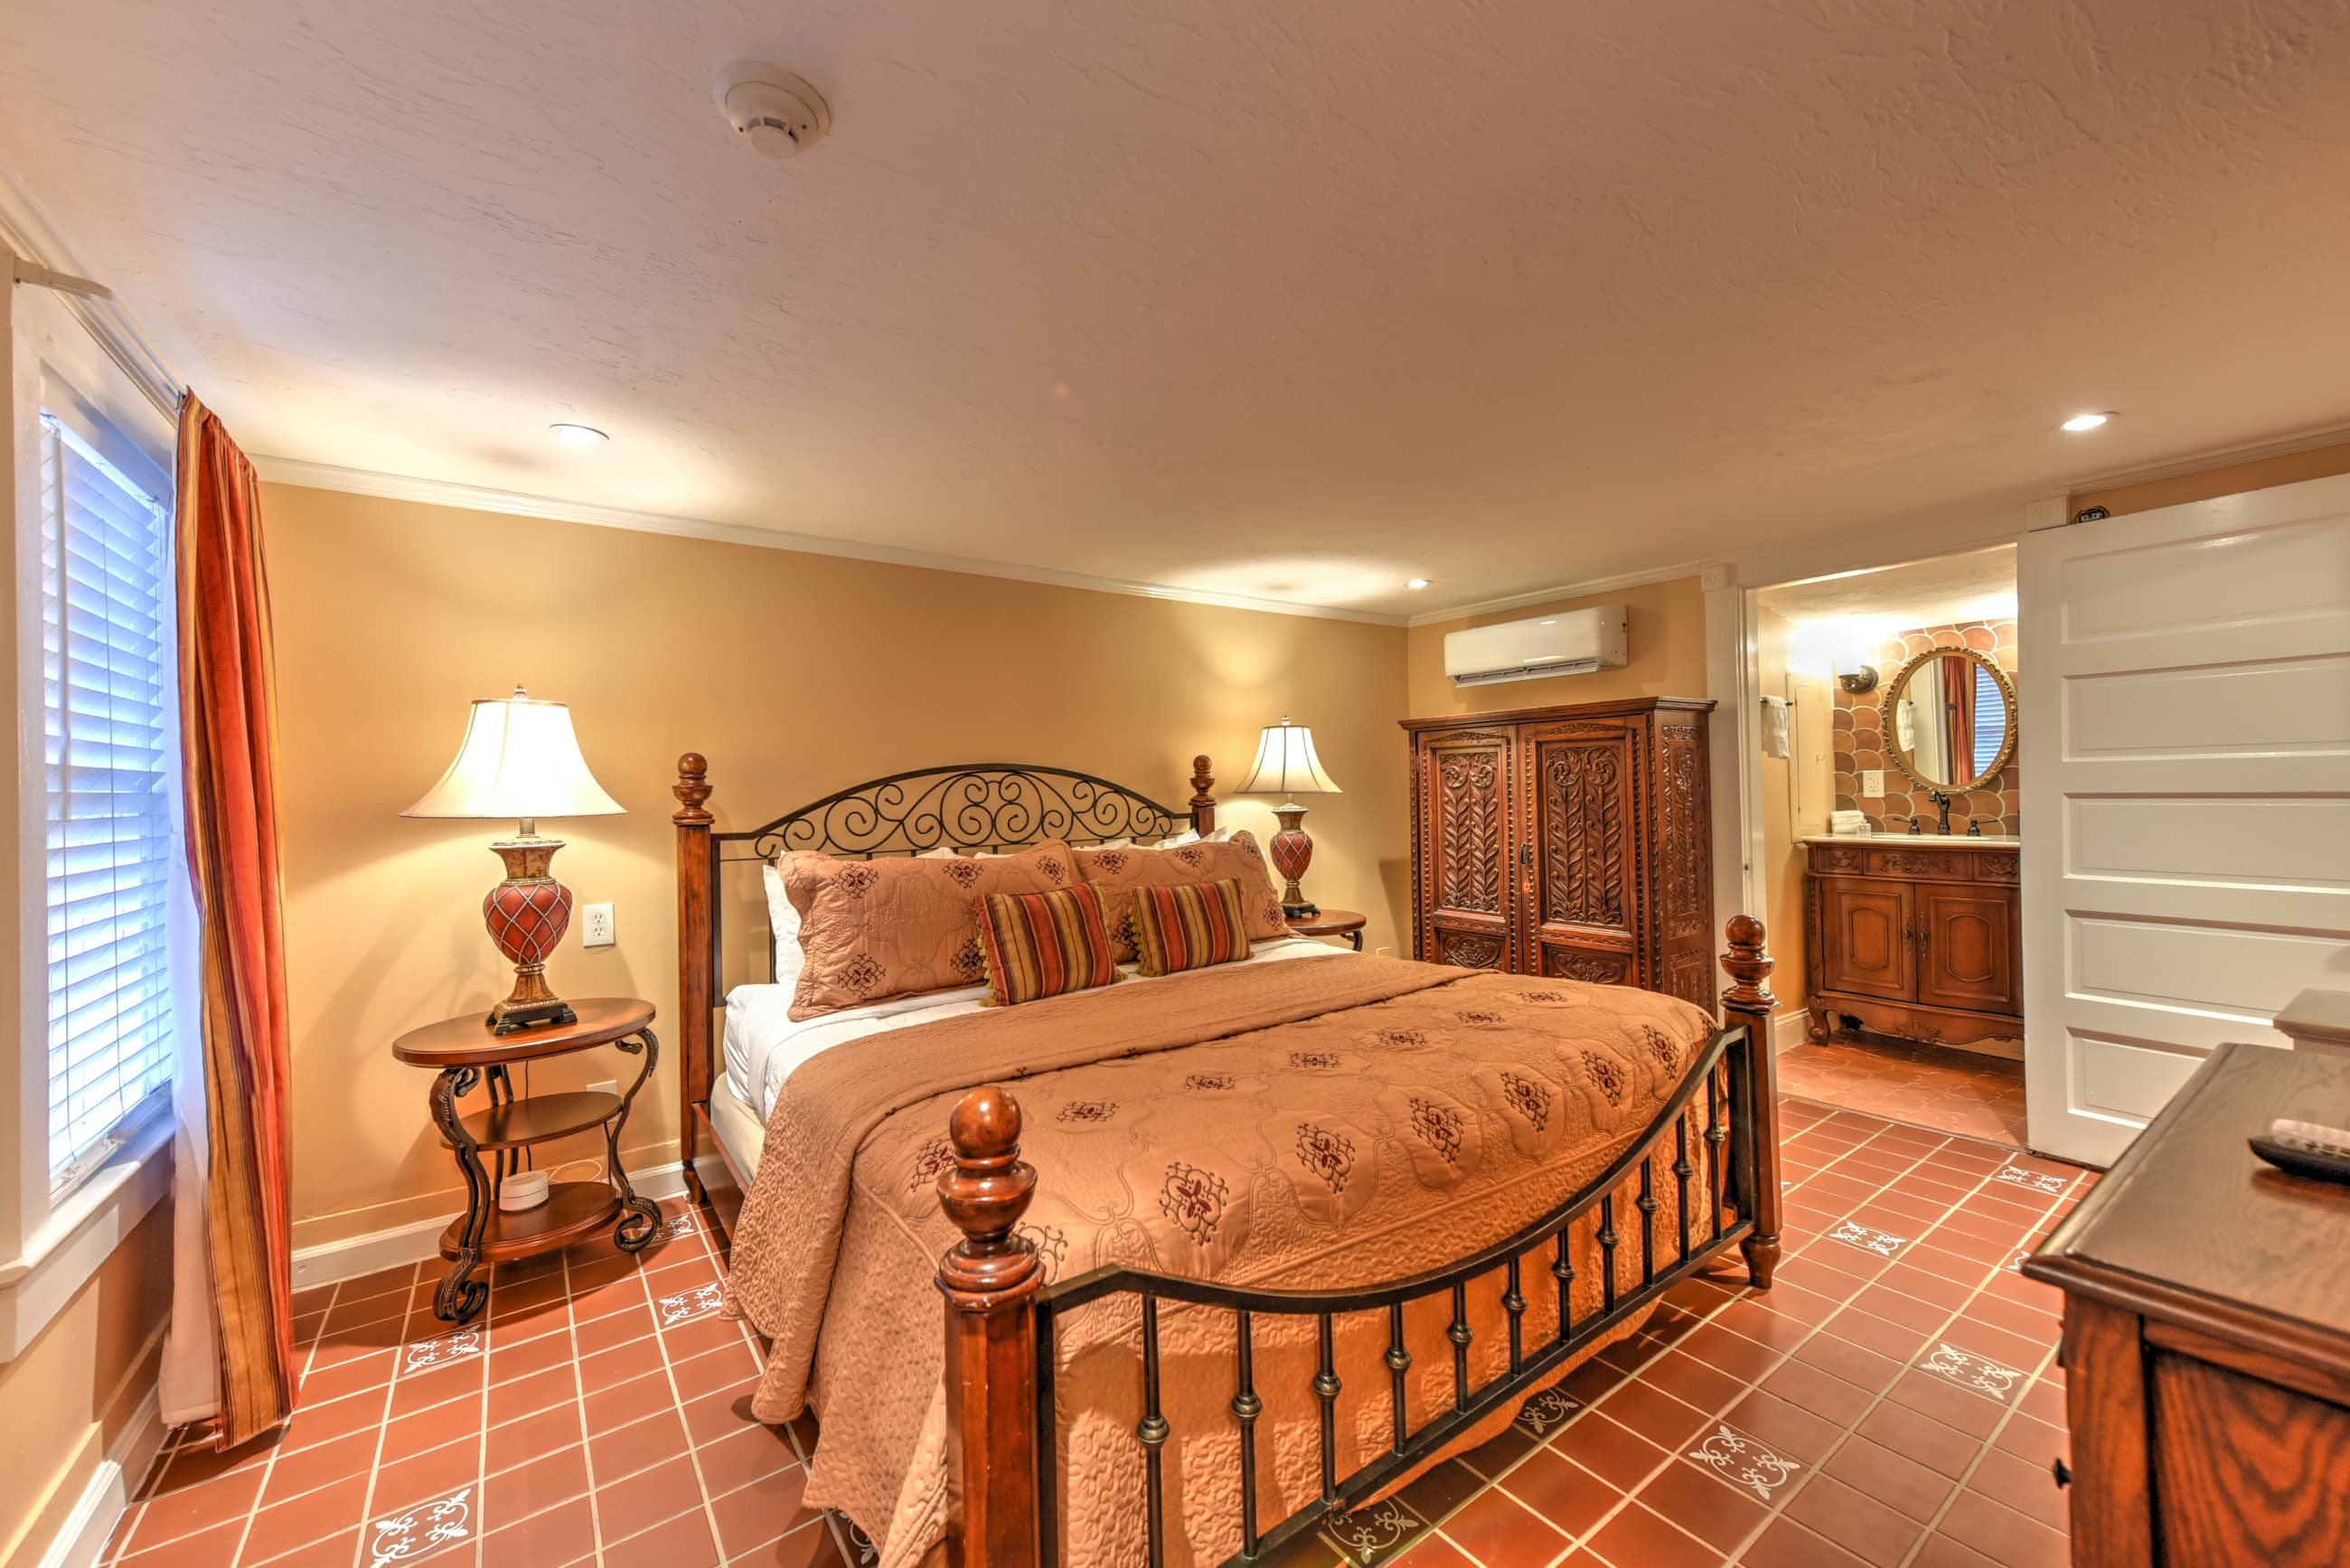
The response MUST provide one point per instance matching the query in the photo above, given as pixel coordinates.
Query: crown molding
(480, 498)
(1563, 591)
(2218, 457)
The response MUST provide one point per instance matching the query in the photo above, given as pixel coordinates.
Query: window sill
(82, 1233)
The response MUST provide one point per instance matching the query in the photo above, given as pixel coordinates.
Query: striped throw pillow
(1190, 925)
(1043, 944)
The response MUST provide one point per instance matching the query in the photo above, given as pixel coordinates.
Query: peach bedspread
(1305, 1125)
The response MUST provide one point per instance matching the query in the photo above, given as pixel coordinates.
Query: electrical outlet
(596, 925)
(1871, 786)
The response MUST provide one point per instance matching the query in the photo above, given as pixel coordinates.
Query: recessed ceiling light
(2080, 422)
(1417, 583)
(578, 435)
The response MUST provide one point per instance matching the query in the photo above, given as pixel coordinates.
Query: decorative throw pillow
(1043, 944)
(1190, 925)
(900, 926)
(1118, 872)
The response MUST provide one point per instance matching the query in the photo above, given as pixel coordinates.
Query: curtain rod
(23, 227)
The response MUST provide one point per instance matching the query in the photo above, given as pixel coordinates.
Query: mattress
(762, 1046)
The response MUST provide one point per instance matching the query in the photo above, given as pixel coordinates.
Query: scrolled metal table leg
(1355, 938)
(461, 1295)
(640, 1218)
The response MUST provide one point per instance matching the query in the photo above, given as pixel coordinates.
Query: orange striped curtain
(228, 735)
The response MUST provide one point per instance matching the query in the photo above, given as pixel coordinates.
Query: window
(110, 751)
(1990, 721)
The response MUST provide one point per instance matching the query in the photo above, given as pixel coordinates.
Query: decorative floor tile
(425, 1529)
(1546, 1412)
(1852, 1234)
(686, 1305)
(443, 1348)
(1374, 1534)
(1968, 1370)
(1744, 1462)
(676, 1225)
(2032, 1180)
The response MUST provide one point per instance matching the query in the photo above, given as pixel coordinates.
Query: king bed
(1224, 1250)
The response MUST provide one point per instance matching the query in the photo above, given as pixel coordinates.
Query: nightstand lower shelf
(573, 1212)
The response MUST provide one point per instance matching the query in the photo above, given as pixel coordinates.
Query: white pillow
(783, 921)
(943, 851)
(1188, 835)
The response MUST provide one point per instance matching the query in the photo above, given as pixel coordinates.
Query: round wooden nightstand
(468, 1054)
(1346, 923)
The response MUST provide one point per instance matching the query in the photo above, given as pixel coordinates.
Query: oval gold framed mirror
(1949, 719)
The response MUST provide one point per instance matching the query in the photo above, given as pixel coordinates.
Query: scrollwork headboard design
(971, 806)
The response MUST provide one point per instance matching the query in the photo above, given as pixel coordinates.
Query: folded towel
(1848, 823)
(1774, 727)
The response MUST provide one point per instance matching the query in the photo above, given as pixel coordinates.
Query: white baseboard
(354, 1256)
(82, 1538)
(1787, 1029)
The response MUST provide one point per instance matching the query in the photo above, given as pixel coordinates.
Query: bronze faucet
(1942, 804)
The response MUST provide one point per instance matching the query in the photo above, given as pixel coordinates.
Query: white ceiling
(1288, 300)
(1978, 586)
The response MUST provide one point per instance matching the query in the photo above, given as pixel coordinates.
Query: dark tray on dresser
(2207, 1332)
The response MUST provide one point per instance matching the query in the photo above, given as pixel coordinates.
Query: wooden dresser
(1920, 940)
(2207, 1332)
(1570, 841)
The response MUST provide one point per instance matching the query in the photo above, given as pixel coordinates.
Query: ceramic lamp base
(527, 915)
(1293, 852)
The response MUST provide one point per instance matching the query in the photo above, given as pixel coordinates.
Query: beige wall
(2230, 479)
(76, 1387)
(1668, 655)
(1794, 794)
(794, 674)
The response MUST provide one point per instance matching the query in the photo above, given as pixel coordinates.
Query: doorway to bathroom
(1890, 839)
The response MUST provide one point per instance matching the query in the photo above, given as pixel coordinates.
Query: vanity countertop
(1920, 840)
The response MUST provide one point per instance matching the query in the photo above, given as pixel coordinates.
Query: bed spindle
(1152, 1431)
(1515, 1303)
(1647, 1207)
(1682, 1172)
(1326, 1389)
(990, 1279)
(1460, 1333)
(1398, 1362)
(1562, 1269)
(1716, 1135)
(1246, 1408)
(1607, 1240)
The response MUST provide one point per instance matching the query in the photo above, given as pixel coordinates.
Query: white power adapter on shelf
(524, 1189)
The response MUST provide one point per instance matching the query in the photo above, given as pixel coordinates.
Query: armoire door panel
(1582, 795)
(1683, 875)
(1968, 944)
(1465, 847)
(1866, 932)
(1599, 966)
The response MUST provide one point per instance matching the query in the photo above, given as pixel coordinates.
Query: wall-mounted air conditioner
(1572, 642)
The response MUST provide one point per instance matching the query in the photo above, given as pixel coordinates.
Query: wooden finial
(692, 787)
(1748, 967)
(985, 1194)
(1201, 781)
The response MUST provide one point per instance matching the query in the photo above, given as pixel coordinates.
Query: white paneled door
(2185, 752)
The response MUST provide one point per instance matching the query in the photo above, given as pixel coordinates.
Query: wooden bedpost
(1749, 1000)
(990, 1279)
(1203, 804)
(694, 958)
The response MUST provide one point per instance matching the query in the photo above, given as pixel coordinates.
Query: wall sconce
(1859, 681)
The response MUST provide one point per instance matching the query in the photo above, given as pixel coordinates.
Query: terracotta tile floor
(1959, 1092)
(1893, 1401)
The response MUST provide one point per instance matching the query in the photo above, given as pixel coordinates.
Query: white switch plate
(596, 925)
(1872, 785)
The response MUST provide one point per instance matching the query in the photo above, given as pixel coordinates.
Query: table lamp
(521, 760)
(1286, 765)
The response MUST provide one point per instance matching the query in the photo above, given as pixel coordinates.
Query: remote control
(2306, 1148)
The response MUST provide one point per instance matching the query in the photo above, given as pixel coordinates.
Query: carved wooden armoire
(1569, 841)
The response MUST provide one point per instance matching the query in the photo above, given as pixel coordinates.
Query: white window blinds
(108, 702)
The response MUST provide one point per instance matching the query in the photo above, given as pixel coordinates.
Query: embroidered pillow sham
(1043, 944)
(900, 926)
(1120, 872)
(1190, 925)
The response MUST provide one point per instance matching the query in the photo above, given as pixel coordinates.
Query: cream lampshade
(1287, 766)
(520, 759)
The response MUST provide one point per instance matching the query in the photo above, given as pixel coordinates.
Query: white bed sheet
(762, 1046)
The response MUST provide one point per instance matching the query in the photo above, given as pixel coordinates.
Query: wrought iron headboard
(973, 806)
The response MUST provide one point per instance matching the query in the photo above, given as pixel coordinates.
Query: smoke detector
(774, 111)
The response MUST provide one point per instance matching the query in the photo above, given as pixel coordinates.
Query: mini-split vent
(1572, 642)
(779, 114)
